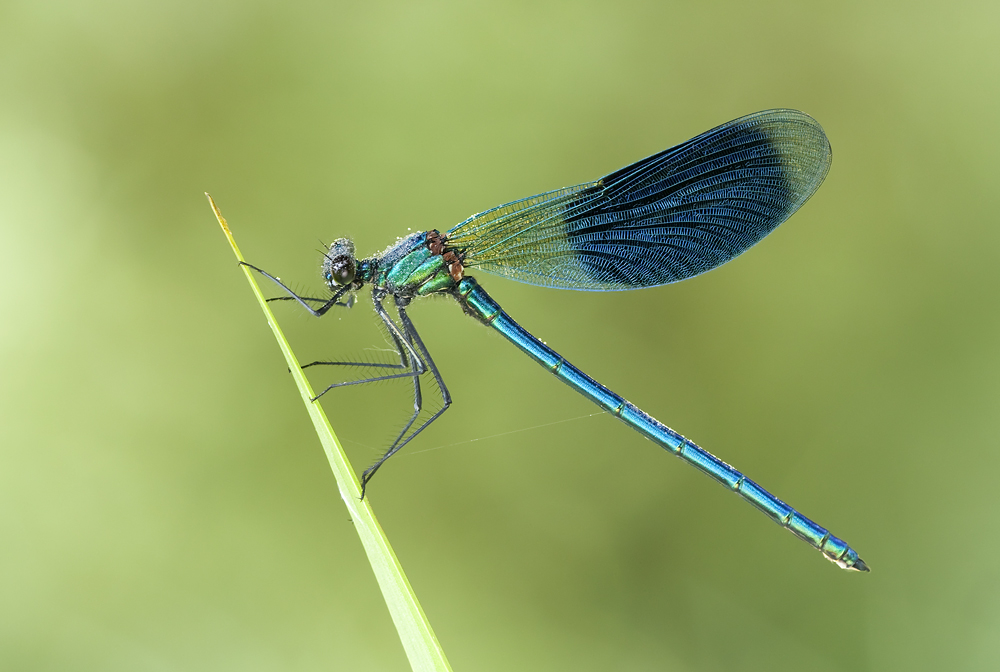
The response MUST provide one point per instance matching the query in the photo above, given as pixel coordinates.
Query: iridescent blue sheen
(479, 303)
(668, 217)
(671, 216)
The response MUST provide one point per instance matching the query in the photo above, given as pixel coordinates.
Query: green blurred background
(165, 504)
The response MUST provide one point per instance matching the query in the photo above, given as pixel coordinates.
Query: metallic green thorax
(410, 268)
(668, 217)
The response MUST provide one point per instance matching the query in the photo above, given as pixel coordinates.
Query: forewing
(668, 217)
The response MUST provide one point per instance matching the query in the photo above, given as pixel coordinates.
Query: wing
(668, 217)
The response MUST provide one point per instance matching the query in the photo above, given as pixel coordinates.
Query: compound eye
(342, 270)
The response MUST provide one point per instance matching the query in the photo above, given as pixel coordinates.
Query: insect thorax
(419, 265)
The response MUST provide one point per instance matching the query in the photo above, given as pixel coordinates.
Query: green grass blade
(415, 632)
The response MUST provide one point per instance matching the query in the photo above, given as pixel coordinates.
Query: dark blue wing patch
(665, 218)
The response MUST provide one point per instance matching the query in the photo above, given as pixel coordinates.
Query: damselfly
(666, 218)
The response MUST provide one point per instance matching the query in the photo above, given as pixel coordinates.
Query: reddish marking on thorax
(437, 244)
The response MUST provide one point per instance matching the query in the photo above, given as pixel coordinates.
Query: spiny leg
(402, 347)
(400, 350)
(417, 342)
(292, 296)
(418, 398)
(409, 373)
(405, 340)
(335, 301)
(340, 304)
(375, 365)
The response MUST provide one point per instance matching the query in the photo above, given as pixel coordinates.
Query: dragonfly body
(666, 218)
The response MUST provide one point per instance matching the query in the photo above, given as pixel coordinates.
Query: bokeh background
(164, 503)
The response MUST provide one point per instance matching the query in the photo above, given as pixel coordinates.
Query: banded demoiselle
(666, 218)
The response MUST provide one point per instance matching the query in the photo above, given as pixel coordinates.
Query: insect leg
(292, 296)
(402, 345)
(414, 339)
